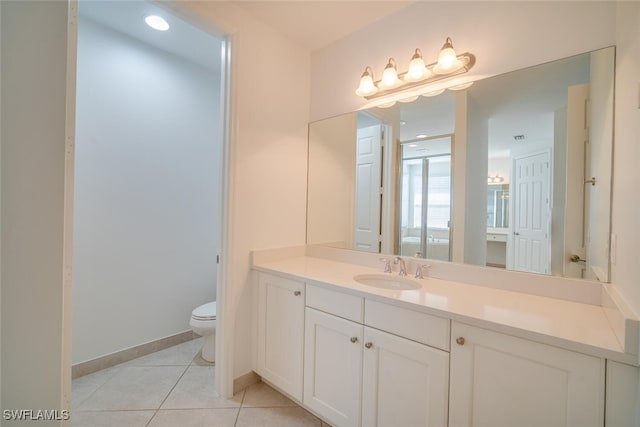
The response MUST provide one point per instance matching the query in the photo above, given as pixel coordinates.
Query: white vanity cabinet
(405, 383)
(333, 367)
(357, 375)
(279, 356)
(499, 380)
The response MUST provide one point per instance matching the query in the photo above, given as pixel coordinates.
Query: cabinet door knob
(297, 293)
(460, 340)
(368, 345)
(354, 339)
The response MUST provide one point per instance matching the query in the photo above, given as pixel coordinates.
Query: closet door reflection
(425, 198)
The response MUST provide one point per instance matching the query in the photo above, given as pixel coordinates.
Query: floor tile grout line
(186, 368)
(244, 394)
(97, 388)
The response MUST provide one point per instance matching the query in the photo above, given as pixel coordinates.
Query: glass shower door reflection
(426, 202)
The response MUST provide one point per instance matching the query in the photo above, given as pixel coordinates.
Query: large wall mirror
(513, 172)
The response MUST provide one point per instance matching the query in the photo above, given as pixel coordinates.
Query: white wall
(504, 36)
(147, 191)
(34, 75)
(268, 154)
(626, 179)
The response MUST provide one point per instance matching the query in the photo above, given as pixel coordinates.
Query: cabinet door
(404, 383)
(281, 333)
(502, 381)
(333, 368)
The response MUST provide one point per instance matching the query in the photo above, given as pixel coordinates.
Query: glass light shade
(390, 76)
(367, 86)
(156, 22)
(448, 62)
(417, 69)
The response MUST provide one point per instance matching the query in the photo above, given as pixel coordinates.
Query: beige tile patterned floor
(175, 388)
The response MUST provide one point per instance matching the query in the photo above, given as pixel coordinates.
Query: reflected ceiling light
(495, 179)
(413, 145)
(421, 136)
(367, 86)
(402, 122)
(448, 65)
(156, 22)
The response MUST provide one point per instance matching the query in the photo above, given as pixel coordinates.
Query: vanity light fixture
(495, 179)
(367, 86)
(448, 65)
(390, 78)
(156, 22)
(418, 71)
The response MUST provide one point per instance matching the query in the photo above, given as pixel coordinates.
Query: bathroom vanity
(446, 353)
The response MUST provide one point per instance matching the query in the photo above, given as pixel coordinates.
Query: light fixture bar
(467, 59)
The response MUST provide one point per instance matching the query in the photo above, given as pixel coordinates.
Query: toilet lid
(205, 311)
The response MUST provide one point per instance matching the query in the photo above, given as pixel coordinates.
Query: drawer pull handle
(460, 340)
(354, 339)
(297, 293)
(368, 345)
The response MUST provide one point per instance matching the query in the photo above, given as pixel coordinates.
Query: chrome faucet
(403, 267)
(419, 270)
(387, 264)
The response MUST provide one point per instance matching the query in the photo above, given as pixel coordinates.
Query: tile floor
(175, 388)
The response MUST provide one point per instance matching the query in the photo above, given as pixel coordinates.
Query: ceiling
(182, 39)
(314, 24)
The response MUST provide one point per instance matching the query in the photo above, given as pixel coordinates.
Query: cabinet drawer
(337, 303)
(417, 326)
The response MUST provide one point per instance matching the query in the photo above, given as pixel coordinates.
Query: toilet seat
(205, 312)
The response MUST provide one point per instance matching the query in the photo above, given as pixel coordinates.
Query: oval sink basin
(387, 281)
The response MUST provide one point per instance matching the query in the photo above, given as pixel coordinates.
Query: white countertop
(572, 325)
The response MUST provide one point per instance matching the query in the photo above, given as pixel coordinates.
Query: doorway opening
(150, 177)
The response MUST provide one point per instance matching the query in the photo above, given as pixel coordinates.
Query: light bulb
(157, 22)
(367, 86)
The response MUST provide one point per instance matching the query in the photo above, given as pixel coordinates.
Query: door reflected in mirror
(430, 188)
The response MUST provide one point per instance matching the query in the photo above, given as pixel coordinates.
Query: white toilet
(203, 322)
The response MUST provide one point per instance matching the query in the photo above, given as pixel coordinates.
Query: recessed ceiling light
(421, 136)
(156, 22)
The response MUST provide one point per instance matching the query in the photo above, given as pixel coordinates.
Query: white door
(502, 381)
(530, 227)
(333, 368)
(404, 383)
(368, 185)
(576, 212)
(281, 332)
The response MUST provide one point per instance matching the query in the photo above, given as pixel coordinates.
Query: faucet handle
(419, 269)
(387, 264)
